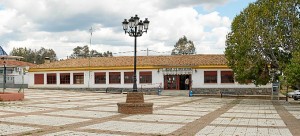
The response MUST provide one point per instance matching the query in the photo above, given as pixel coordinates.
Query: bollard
(190, 93)
(159, 91)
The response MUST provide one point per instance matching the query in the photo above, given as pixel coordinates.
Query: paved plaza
(84, 113)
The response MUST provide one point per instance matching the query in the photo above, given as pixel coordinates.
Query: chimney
(47, 60)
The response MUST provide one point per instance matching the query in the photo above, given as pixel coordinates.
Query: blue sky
(233, 8)
(63, 24)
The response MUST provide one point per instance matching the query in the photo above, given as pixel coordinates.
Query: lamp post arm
(135, 34)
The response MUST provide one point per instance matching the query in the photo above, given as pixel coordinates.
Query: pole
(91, 30)
(134, 65)
(286, 95)
(147, 52)
(136, 27)
(4, 77)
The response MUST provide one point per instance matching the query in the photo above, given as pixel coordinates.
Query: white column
(45, 78)
(122, 77)
(107, 77)
(57, 79)
(71, 78)
(138, 77)
(219, 77)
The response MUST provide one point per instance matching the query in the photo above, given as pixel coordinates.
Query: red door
(171, 82)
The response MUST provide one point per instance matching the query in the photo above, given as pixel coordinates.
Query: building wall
(89, 80)
(198, 81)
(157, 80)
(18, 78)
(21, 76)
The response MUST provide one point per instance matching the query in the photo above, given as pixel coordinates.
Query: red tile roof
(125, 61)
(17, 63)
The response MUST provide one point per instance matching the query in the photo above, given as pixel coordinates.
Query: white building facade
(208, 74)
(16, 73)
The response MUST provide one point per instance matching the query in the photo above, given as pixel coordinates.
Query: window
(78, 78)
(146, 77)
(227, 77)
(9, 70)
(38, 78)
(128, 77)
(114, 77)
(210, 77)
(64, 78)
(51, 78)
(100, 77)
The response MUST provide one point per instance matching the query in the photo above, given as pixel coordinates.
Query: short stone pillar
(135, 104)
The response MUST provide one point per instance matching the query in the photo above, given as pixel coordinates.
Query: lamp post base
(135, 104)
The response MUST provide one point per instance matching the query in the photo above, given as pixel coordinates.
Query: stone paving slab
(4, 113)
(82, 103)
(113, 108)
(199, 109)
(249, 122)
(104, 102)
(22, 109)
(58, 112)
(243, 131)
(6, 129)
(56, 105)
(181, 112)
(136, 127)
(162, 118)
(294, 110)
(80, 113)
(250, 115)
(43, 120)
(296, 114)
(75, 133)
(248, 118)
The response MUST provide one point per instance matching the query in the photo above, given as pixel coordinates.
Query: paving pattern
(84, 113)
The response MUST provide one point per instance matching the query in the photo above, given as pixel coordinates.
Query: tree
(27, 54)
(292, 71)
(84, 52)
(95, 53)
(43, 53)
(183, 47)
(107, 54)
(79, 52)
(262, 40)
(36, 57)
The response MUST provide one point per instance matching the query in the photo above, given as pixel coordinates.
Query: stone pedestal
(7, 96)
(135, 104)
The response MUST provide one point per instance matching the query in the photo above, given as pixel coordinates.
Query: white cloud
(63, 25)
(207, 4)
(11, 22)
(213, 19)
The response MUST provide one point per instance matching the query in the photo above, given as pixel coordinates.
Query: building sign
(177, 71)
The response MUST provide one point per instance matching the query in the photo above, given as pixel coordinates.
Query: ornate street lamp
(135, 28)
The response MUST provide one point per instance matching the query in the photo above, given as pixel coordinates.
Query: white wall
(90, 83)
(157, 79)
(198, 81)
(20, 76)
